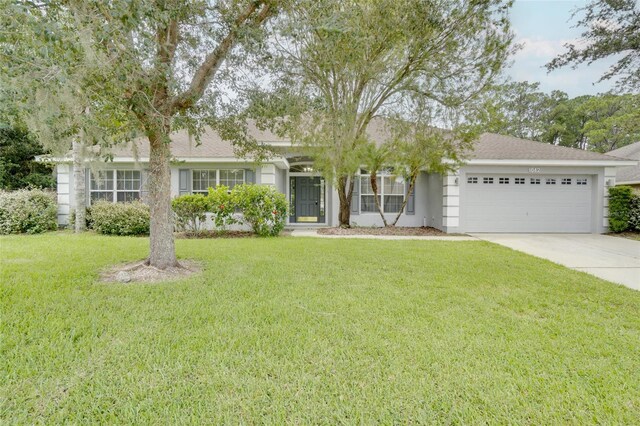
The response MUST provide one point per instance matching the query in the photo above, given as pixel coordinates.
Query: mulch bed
(218, 234)
(396, 230)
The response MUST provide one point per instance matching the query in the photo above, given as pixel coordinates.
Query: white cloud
(539, 47)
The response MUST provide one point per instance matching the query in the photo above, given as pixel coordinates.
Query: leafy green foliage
(263, 208)
(634, 213)
(611, 27)
(18, 168)
(120, 218)
(191, 211)
(600, 123)
(343, 64)
(27, 211)
(223, 205)
(619, 208)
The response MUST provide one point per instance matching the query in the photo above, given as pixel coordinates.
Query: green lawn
(313, 331)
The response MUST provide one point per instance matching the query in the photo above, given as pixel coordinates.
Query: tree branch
(214, 60)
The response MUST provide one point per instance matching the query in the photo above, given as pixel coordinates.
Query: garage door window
(551, 181)
(581, 181)
(487, 180)
(535, 181)
(566, 181)
(472, 180)
(503, 181)
(519, 181)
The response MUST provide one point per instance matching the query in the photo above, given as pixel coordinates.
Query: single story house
(629, 175)
(507, 185)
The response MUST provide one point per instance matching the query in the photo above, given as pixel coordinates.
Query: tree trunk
(79, 187)
(345, 190)
(374, 187)
(162, 247)
(412, 184)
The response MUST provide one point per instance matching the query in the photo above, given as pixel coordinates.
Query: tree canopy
(143, 67)
(338, 65)
(611, 27)
(595, 122)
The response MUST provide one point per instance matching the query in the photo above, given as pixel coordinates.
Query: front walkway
(314, 233)
(610, 258)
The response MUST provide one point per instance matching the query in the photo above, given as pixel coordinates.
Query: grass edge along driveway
(291, 330)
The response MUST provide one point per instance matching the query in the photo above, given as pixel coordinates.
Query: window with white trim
(391, 192)
(202, 180)
(231, 178)
(503, 180)
(535, 181)
(128, 183)
(115, 185)
(487, 180)
(519, 181)
(472, 179)
(550, 181)
(566, 181)
(582, 181)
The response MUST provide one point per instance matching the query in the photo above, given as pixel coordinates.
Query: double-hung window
(231, 178)
(391, 193)
(367, 199)
(115, 185)
(203, 179)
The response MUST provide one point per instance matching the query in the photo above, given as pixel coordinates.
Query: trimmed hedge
(120, 218)
(624, 209)
(28, 211)
(261, 207)
(191, 211)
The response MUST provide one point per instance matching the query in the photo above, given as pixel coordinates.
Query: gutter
(575, 163)
(279, 162)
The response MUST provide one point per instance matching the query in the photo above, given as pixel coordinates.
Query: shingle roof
(630, 173)
(491, 146)
(184, 146)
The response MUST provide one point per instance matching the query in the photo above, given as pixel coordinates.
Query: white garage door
(521, 203)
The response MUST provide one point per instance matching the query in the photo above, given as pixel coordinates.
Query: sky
(543, 27)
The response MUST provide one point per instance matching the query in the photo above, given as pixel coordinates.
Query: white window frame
(112, 176)
(473, 180)
(582, 181)
(381, 192)
(519, 181)
(217, 178)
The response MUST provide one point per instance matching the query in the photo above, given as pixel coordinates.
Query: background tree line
(601, 123)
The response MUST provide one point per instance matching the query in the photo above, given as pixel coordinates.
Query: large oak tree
(148, 65)
(355, 60)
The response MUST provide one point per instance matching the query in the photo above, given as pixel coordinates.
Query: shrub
(634, 213)
(27, 211)
(191, 211)
(263, 208)
(87, 218)
(120, 218)
(619, 208)
(223, 207)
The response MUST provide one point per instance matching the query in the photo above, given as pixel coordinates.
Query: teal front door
(308, 199)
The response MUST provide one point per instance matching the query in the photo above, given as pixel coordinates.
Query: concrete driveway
(610, 258)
